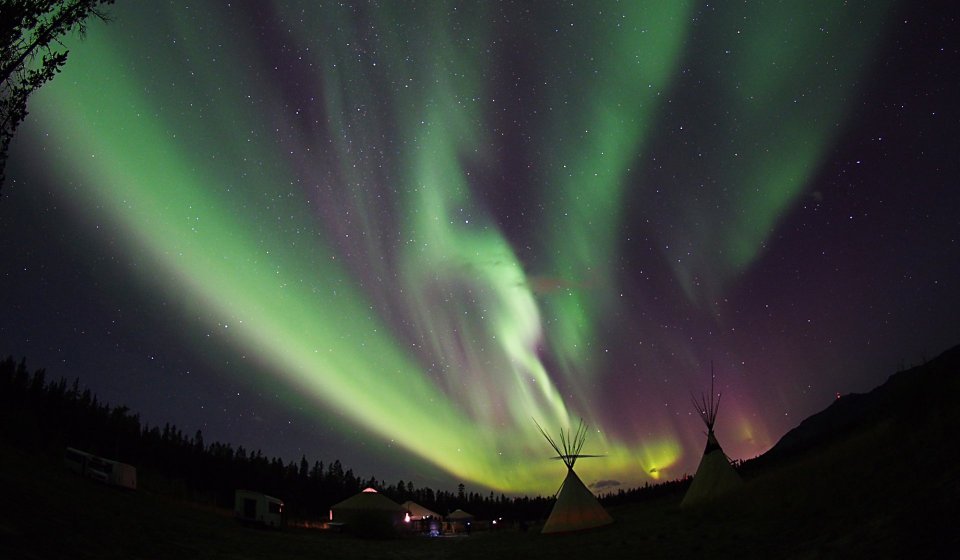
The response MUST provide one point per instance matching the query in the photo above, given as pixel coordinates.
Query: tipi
(715, 475)
(576, 508)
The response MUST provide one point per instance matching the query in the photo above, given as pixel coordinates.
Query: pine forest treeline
(46, 416)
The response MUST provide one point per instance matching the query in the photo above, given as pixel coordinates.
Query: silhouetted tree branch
(32, 53)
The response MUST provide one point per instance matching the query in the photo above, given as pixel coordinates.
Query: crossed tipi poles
(576, 508)
(715, 475)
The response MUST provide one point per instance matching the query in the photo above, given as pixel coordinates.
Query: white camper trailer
(103, 470)
(123, 475)
(256, 507)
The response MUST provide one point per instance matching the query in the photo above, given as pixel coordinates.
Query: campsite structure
(107, 471)
(577, 508)
(368, 513)
(715, 475)
(421, 519)
(416, 512)
(459, 521)
(256, 507)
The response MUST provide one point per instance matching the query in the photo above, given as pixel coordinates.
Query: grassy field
(854, 499)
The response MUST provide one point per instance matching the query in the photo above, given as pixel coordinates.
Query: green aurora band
(346, 248)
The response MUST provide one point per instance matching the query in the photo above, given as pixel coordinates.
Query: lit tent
(421, 519)
(368, 513)
(576, 508)
(459, 520)
(715, 475)
(418, 512)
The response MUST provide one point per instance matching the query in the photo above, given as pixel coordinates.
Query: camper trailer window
(101, 465)
(99, 476)
(274, 507)
(73, 456)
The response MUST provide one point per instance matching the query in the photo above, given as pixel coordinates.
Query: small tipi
(576, 508)
(715, 475)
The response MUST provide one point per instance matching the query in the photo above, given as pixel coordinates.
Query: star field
(392, 234)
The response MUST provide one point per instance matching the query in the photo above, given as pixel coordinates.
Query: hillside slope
(923, 396)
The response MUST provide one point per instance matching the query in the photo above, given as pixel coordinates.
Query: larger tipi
(715, 475)
(576, 508)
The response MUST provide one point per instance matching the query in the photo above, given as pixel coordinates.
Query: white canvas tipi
(715, 475)
(576, 508)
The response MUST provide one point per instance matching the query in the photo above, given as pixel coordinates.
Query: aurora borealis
(394, 234)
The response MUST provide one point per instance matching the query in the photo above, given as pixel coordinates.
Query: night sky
(394, 235)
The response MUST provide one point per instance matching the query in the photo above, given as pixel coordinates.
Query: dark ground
(881, 486)
(830, 505)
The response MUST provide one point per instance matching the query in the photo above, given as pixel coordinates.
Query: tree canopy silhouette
(32, 52)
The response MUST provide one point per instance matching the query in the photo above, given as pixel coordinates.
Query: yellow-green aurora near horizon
(327, 189)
